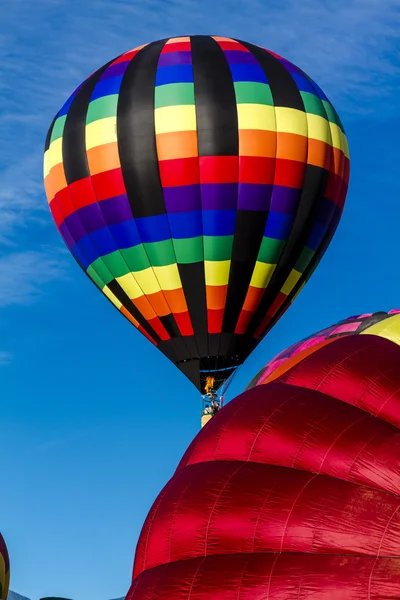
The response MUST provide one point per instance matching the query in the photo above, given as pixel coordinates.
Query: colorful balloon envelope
(198, 182)
(383, 324)
(4, 569)
(291, 491)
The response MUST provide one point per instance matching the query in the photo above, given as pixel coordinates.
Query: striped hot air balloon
(4, 569)
(198, 181)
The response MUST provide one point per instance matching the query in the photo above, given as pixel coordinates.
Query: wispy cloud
(349, 47)
(19, 275)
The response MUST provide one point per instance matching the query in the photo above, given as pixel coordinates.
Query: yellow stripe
(168, 277)
(262, 274)
(388, 328)
(54, 155)
(175, 118)
(102, 131)
(256, 116)
(217, 271)
(130, 286)
(320, 129)
(291, 120)
(107, 292)
(147, 281)
(290, 282)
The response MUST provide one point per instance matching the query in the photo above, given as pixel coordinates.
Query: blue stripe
(153, 229)
(219, 222)
(185, 224)
(174, 74)
(245, 72)
(107, 87)
(278, 225)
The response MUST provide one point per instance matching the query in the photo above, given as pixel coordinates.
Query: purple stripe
(184, 57)
(254, 196)
(183, 198)
(116, 210)
(326, 211)
(115, 70)
(219, 196)
(237, 57)
(66, 236)
(75, 227)
(285, 199)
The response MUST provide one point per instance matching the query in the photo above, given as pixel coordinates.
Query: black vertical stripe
(250, 225)
(286, 93)
(283, 87)
(136, 134)
(216, 113)
(137, 146)
(74, 136)
(217, 135)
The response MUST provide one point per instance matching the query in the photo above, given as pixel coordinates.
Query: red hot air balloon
(291, 491)
(198, 181)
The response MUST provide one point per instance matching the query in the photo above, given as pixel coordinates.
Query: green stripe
(99, 273)
(174, 94)
(58, 128)
(218, 247)
(332, 114)
(313, 104)
(304, 259)
(160, 253)
(189, 250)
(102, 108)
(250, 92)
(270, 250)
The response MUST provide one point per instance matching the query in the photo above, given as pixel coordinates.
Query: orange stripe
(103, 158)
(144, 307)
(176, 300)
(253, 142)
(253, 298)
(216, 296)
(178, 144)
(319, 154)
(159, 304)
(291, 146)
(55, 181)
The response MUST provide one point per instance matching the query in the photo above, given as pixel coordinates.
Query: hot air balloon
(4, 569)
(383, 324)
(291, 491)
(198, 181)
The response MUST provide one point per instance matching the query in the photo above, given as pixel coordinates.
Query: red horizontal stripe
(334, 187)
(244, 321)
(176, 47)
(126, 57)
(159, 328)
(108, 184)
(184, 323)
(214, 319)
(81, 193)
(179, 171)
(224, 45)
(256, 169)
(219, 169)
(289, 173)
(56, 212)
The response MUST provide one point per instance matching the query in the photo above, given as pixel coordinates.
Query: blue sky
(93, 421)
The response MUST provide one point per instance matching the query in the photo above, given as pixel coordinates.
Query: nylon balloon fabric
(198, 181)
(4, 569)
(291, 492)
(383, 324)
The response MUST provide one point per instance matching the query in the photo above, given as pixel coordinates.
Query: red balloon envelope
(291, 492)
